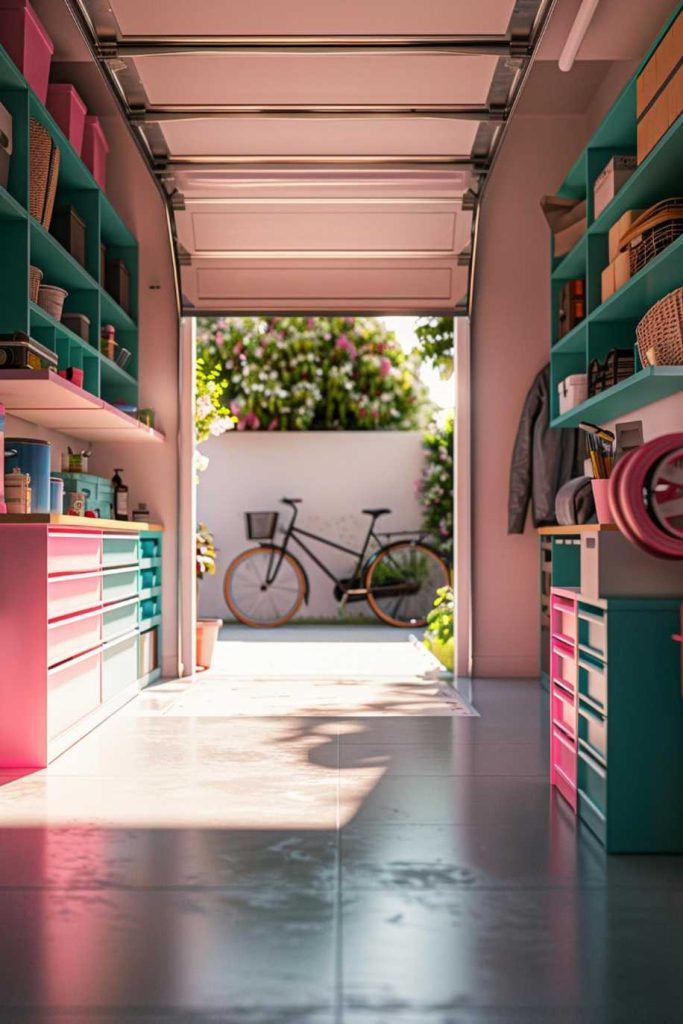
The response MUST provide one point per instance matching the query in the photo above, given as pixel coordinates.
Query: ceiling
(320, 155)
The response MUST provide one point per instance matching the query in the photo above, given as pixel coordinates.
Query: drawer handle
(92, 653)
(68, 619)
(119, 639)
(567, 744)
(599, 620)
(592, 763)
(590, 711)
(589, 666)
(561, 604)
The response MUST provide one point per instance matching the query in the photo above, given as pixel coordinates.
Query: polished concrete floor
(228, 852)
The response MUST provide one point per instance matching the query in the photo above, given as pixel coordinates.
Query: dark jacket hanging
(543, 459)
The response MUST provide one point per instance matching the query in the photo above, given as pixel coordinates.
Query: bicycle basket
(261, 525)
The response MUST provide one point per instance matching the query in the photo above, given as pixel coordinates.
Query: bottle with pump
(120, 496)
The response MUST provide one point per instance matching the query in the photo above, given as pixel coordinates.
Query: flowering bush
(435, 342)
(211, 417)
(312, 373)
(438, 636)
(205, 552)
(435, 486)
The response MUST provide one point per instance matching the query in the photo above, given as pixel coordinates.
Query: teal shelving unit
(612, 324)
(149, 593)
(25, 242)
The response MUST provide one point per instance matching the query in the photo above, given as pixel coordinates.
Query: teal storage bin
(98, 490)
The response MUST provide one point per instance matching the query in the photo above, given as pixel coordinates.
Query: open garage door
(319, 156)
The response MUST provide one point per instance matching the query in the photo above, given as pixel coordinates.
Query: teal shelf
(114, 230)
(59, 266)
(10, 209)
(73, 174)
(112, 313)
(574, 341)
(646, 386)
(114, 374)
(574, 263)
(660, 276)
(40, 317)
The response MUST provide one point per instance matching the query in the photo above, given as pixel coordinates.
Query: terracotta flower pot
(207, 634)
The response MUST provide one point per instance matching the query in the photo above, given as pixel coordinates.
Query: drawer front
(119, 666)
(67, 595)
(119, 619)
(119, 549)
(148, 652)
(592, 817)
(119, 585)
(150, 577)
(67, 638)
(563, 710)
(563, 765)
(563, 617)
(593, 681)
(563, 664)
(73, 690)
(592, 781)
(150, 607)
(593, 731)
(593, 630)
(150, 545)
(73, 552)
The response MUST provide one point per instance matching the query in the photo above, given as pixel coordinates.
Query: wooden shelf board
(549, 531)
(574, 340)
(42, 397)
(114, 314)
(642, 388)
(573, 264)
(54, 519)
(10, 209)
(656, 279)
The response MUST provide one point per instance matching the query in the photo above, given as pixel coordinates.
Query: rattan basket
(261, 525)
(652, 232)
(51, 192)
(35, 277)
(40, 147)
(660, 332)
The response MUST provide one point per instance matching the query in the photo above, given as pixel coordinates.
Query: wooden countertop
(546, 531)
(81, 522)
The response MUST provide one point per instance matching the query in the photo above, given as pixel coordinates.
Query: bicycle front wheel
(260, 596)
(402, 582)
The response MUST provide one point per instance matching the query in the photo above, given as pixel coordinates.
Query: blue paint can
(33, 457)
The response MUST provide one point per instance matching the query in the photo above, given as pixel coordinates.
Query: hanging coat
(543, 459)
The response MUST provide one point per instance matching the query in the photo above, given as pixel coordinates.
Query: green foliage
(211, 416)
(435, 342)
(205, 552)
(435, 486)
(312, 373)
(440, 618)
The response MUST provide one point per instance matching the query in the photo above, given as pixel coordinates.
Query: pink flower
(310, 323)
(384, 366)
(220, 338)
(234, 408)
(238, 347)
(374, 413)
(274, 424)
(347, 346)
(361, 414)
(242, 424)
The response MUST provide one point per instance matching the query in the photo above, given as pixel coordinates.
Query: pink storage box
(68, 110)
(27, 43)
(95, 149)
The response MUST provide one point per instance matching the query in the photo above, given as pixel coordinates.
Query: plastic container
(123, 357)
(603, 508)
(95, 149)
(51, 299)
(56, 494)
(27, 43)
(31, 456)
(68, 110)
(79, 323)
(572, 391)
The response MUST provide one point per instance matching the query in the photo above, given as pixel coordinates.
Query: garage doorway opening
(344, 413)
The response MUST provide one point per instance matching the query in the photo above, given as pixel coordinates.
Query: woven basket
(51, 299)
(660, 332)
(652, 232)
(40, 146)
(35, 277)
(51, 191)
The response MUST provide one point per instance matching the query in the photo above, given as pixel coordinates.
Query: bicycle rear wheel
(402, 582)
(257, 599)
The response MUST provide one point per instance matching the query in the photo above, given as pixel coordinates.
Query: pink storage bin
(66, 638)
(68, 110)
(27, 43)
(68, 595)
(95, 149)
(73, 552)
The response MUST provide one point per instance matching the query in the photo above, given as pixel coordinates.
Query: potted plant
(438, 636)
(207, 629)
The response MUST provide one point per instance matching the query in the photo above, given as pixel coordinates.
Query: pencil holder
(603, 508)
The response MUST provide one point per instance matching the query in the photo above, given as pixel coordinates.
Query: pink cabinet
(563, 765)
(72, 636)
(73, 691)
(69, 551)
(67, 595)
(564, 639)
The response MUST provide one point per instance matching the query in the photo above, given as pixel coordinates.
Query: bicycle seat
(376, 512)
(291, 501)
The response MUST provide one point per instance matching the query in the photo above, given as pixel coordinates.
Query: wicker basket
(51, 192)
(40, 145)
(51, 299)
(652, 232)
(261, 525)
(660, 332)
(35, 277)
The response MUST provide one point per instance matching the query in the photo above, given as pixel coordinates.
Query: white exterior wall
(336, 474)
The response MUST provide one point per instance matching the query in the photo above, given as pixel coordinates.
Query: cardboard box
(607, 282)
(659, 90)
(619, 229)
(610, 180)
(660, 115)
(660, 66)
(622, 270)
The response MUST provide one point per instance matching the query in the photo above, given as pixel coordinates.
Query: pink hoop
(633, 484)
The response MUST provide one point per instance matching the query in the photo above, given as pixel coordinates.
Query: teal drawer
(119, 584)
(150, 577)
(593, 817)
(150, 545)
(593, 681)
(150, 607)
(119, 666)
(592, 780)
(593, 731)
(593, 630)
(119, 550)
(120, 619)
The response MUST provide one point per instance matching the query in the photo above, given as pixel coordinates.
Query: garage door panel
(312, 17)
(265, 79)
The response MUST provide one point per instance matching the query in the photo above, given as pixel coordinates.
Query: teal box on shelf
(98, 491)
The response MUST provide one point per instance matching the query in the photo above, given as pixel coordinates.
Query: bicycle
(265, 586)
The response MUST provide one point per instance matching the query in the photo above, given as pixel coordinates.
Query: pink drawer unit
(563, 665)
(563, 618)
(563, 710)
(73, 691)
(67, 638)
(69, 552)
(563, 765)
(68, 595)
